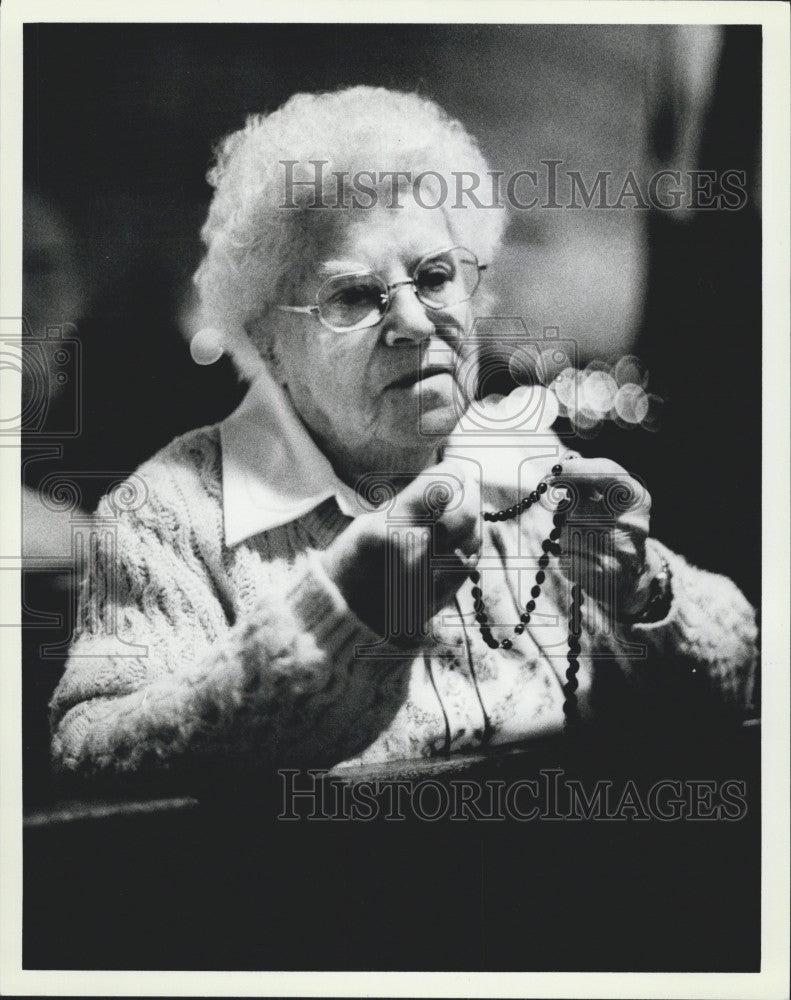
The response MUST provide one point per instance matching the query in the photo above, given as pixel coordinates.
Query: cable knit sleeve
(158, 675)
(706, 649)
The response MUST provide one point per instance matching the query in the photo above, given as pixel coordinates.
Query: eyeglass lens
(359, 300)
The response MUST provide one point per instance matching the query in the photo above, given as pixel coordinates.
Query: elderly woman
(339, 574)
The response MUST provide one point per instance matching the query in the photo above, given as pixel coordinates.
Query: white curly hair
(253, 242)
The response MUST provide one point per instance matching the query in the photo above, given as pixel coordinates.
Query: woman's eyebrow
(329, 267)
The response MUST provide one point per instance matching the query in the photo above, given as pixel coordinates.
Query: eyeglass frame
(315, 310)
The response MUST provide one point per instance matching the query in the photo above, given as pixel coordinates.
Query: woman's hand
(603, 541)
(397, 567)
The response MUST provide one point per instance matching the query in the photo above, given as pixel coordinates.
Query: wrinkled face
(399, 386)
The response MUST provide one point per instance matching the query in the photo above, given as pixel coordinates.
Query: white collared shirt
(272, 471)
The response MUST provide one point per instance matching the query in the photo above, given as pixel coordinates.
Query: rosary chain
(550, 546)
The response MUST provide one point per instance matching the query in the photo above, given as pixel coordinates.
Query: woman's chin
(430, 431)
(438, 422)
(430, 410)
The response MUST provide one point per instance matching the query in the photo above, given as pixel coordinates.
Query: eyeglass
(360, 299)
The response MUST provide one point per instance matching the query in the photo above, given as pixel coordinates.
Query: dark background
(119, 126)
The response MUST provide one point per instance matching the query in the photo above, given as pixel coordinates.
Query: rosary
(550, 546)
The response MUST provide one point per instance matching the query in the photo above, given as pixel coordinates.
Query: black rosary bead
(557, 470)
(535, 592)
(488, 638)
(543, 562)
(540, 576)
(570, 708)
(531, 605)
(555, 534)
(506, 644)
(541, 488)
(524, 618)
(519, 629)
(476, 593)
(534, 497)
(475, 576)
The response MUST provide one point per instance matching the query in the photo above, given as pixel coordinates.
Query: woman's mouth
(420, 375)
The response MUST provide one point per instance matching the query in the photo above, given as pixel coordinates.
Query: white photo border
(772, 980)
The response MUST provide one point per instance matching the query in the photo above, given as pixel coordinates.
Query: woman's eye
(354, 295)
(435, 276)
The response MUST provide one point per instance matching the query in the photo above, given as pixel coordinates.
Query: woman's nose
(406, 321)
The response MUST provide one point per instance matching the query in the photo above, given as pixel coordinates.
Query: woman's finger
(603, 488)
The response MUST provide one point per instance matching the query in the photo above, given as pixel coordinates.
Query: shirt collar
(272, 471)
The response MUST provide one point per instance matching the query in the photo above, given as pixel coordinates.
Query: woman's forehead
(378, 237)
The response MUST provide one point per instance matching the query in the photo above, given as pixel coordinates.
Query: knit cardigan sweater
(188, 650)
